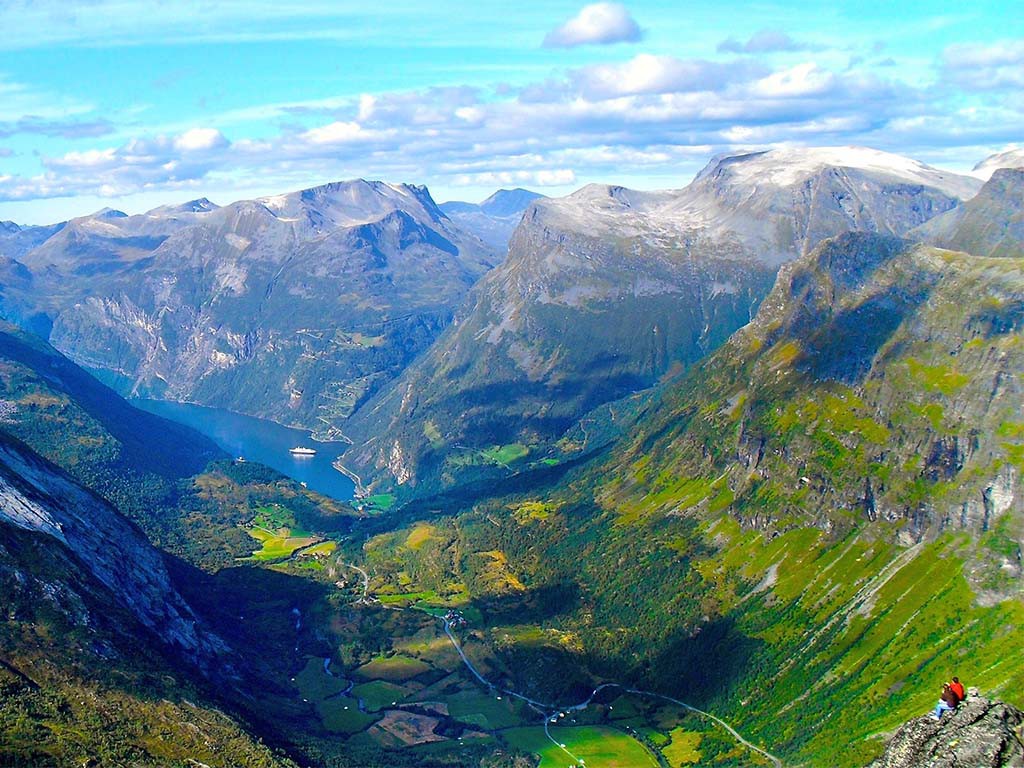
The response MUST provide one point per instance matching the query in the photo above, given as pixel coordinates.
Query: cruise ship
(297, 451)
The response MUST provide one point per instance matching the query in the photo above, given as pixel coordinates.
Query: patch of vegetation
(594, 745)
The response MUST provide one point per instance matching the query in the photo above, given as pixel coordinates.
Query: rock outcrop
(980, 734)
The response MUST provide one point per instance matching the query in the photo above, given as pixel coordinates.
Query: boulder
(979, 734)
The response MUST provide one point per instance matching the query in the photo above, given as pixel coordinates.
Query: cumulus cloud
(763, 41)
(556, 177)
(338, 132)
(656, 74)
(992, 66)
(595, 24)
(806, 79)
(164, 162)
(650, 115)
(200, 140)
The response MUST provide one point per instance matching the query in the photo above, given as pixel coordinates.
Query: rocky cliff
(36, 496)
(989, 224)
(980, 734)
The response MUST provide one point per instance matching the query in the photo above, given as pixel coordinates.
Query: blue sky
(133, 104)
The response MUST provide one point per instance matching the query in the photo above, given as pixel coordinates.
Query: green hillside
(806, 533)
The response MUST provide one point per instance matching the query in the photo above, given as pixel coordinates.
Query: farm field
(595, 745)
(275, 527)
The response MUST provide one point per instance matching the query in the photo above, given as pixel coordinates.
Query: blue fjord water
(264, 441)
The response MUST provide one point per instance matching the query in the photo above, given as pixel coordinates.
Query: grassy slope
(808, 533)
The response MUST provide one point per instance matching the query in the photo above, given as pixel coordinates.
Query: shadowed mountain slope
(608, 289)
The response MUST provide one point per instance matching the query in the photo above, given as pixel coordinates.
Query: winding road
(551, 712)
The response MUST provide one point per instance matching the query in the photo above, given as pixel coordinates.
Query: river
(263, 441)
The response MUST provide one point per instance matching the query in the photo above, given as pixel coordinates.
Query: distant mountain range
(608, 289)
(493, 220)
(755, 444)
(296, 307)
(354, 308)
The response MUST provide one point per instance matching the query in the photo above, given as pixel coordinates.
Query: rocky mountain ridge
(608, 289)
(989, 224)
(36, 496)
(295, 307)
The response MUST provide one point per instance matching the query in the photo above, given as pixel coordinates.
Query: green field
(392, 668)
(486, 711)
(379, 694)
(505, 454)
(315, 684)
(595, 745)
(342, 715)
(684, 749)
(380, 502)
(276, 546)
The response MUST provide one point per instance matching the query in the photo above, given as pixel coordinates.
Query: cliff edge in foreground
(979, 734)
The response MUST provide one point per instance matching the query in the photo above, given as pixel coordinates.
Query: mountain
(608, 289)
(200, 205)
(1011, 158)
(509, 202)
(493, 220)
(96, 623)
(295, 307)
(95, 630)
(989, 224)
(16, 240)
(801, 534)
(37, 497)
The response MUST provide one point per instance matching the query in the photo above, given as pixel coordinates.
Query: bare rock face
(980, 734)
(36, 496)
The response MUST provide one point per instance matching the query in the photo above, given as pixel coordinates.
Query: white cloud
(655, 74)
(597, 23)
(988, 67)
(338, 132)
(805, 79)
(647, 116)
(200, 139)
(558, 177)
(763, 41)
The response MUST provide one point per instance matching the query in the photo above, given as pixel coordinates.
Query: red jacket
(958, 689)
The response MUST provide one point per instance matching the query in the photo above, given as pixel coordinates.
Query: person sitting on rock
(947, 702)
(958, 688)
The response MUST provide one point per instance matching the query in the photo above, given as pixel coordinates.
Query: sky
(134, 104)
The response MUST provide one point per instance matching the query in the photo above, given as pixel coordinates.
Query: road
(551, 712)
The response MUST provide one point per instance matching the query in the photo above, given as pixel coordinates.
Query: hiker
(947, 702)
(957, 687)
